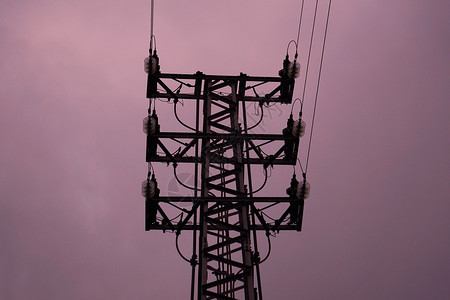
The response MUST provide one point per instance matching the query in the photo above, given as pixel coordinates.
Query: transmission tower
(222, 211)
(223, 208)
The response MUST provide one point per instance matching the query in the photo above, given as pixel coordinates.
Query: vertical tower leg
(225, 270)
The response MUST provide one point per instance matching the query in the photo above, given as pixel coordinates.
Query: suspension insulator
(151, 193)
(298, 128)
(150, 65)
(303, 189)
(149, 125)
(289, 145)
(296, 205)
(292, 189)
(148, 189)
(293, 70)
(287, 82)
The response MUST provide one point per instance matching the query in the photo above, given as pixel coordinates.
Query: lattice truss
(224, 96)
(219, 150)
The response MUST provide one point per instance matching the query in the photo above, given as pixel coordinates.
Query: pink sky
(72, 89)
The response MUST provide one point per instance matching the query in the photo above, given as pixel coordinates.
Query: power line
(300, 22)
(151, 22)
(318, 84)
(309, 52)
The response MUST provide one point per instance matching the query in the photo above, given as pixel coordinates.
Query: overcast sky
(72, 91)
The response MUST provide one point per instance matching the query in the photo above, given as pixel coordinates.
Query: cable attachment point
(256, 259)
(293, 131)
(150, 187)
(291, 69)
(298, 128)
(151, 127)
(151, 63)
(150, 191)
(150, 124)
(298, 190)
(303, 188)
(152, 68)
(283, 72)
(193, 260)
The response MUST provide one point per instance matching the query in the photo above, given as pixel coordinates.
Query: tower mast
(223, 211)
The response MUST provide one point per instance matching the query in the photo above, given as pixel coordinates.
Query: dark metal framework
(223, 209)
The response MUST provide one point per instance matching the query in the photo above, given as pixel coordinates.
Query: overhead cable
(151, 22)
(300, 23)
(309, 52)
(318, 83)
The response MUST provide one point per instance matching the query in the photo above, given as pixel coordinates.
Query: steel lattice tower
(223, 209)
(223, 212)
